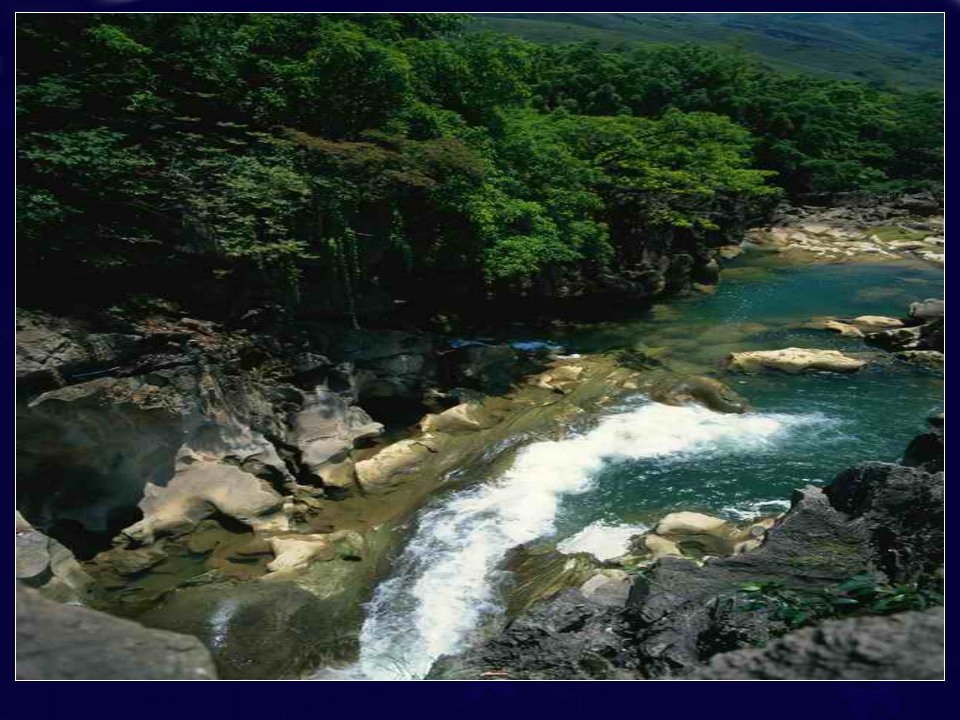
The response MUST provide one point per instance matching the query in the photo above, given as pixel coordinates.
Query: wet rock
(255, 630)
(925, 451)
(698, 533)
(706, 391)
(927, 359)
(560, 379)
(903, 338)
(794, 360)
(906, 646)
(876, 322)
(844, 329)
(66, 642)
(538, 573)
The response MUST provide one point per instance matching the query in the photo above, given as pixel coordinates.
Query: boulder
(902, 510)
(325, 430)
(45, 564)
(608, 587)
(844, 329)
(697, 533)
(706, 391)
(876, 322)
(465, 417)
(295, 552)
(200, 490)
(905, 646)
(925, 451)
(657, 546)
(66, 642)
(255, 630)
(929, 309)
(903, 338)
(559, 379)
(794, 360)
(391, 465)
(568, 637)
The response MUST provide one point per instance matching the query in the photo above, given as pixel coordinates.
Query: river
(623, 469)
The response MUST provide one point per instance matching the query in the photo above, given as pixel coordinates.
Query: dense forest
(333, 164)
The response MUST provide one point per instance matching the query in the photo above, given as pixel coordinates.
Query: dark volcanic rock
(902, 509)
(907, 646)
(565, 638)
(680, 608)
(67, 642)
(255, 630)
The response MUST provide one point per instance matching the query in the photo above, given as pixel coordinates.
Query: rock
(843, 328)
(491, 369)
(559, 379)
(200, 490)
(296, 552)
(45, 564)
(677, 606)
(903, 338)
(926, 451)
(658, 547)
(905, 646)
(927, 359)
(608, 587)
(706, 391)
(391, 465)
(568, 637)
(728, 252)
(794, 360)
(326, 428)
(876, 322)
(701, 534)
(465, 417)
(66, 642)
(542, 572)
(255, 630)
(929, 309)
(902, 509)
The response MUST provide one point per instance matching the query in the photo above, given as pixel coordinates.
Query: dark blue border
(586, 701)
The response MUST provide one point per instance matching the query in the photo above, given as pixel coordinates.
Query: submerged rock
(65, 642)
(704, 390)
(794, 360)
(906, 646)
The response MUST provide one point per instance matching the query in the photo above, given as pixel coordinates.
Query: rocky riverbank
(814, 593)
(857, 228)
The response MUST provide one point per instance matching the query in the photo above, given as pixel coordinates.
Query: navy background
(641, 700)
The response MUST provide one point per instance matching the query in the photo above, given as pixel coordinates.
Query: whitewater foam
(602, 540)
(445, 582)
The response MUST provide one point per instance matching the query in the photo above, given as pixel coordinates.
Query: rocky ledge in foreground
(867, 549)
(67, 642)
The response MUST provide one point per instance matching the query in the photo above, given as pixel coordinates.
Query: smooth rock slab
(67, 642)
(794, 361)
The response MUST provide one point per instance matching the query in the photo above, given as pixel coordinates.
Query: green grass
(892, 50)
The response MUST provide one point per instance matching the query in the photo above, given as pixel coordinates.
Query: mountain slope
(886, 49)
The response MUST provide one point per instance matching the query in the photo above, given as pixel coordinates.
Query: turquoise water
(870, 415)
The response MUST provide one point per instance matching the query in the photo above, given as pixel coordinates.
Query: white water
(602, 540)
(446, 580)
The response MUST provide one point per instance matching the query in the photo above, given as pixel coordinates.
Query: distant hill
(903, 50)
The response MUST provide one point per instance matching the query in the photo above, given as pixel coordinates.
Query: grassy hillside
(884, 49)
